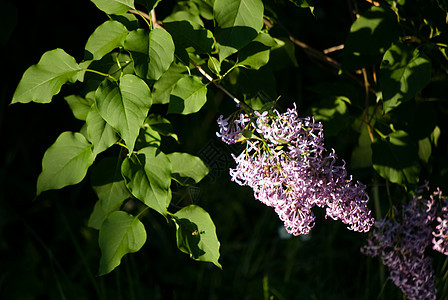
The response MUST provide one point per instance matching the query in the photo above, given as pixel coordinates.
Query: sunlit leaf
(110, 188)
(80, 106)
(238, 22)
(404, 72)
(104, 39)
(187, 169)
(65, 162)
(124, 106)
(116, 7)
(396, 159)
(370, 36)
(42, 81)
(152, 52)
(120, 234)
(100, 134)
(147, 174)
(196, 234)
(188, 96)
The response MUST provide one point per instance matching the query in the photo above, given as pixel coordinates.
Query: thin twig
(332, 49)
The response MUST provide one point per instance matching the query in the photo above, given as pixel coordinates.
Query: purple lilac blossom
(400, 240)
(288, 168)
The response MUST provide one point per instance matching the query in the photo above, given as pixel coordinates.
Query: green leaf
(42, 81)
(115, 7)
(187, 169)
(196, 234)
(404, 72)
(80, 106)
(303, 3)
(238, 22)
(370, 36)
(332, 112)
(147, 174)
(120, 234)
(214, 65)
(282, 55)
(124, 106)
(161, 125)
(110, 188)
(152, 53)
(148, 137)
(100, 134)
(397, 159)
(65, 162)
(185, 36)
(188, 96)
(256, 53)
(107, 37)
(163, 87)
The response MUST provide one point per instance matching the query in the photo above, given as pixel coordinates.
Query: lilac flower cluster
(401, 239)
(289, 169)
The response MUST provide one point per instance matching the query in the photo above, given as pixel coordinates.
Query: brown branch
(314, 53)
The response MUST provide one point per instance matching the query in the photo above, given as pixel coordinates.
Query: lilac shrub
(401, 239)
(288, 167)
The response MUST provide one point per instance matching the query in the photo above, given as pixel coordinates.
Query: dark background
(48, 252)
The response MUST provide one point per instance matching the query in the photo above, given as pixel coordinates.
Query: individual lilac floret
(401, 239)
(230, 133)
(440, 235)
(289, 169)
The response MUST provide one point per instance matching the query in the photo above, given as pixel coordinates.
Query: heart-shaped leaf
(147, 174)
(65, 162)
(107, 37)
(44, 80)
(120, 234)
(238, 22)
(152, 53)
(196, 234)
(124, 106)
(187, 169)
(188, 96)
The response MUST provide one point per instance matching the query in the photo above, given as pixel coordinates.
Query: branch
(316, 54)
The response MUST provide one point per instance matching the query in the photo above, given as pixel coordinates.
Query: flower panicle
(289, 169)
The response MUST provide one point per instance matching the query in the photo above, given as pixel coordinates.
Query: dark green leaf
(120, 234)
(404, 72)
(110, 188)
(100, 134)
(397, 159)
(65, 162)
(370, 36)
(163, 87)
(238, 22)
(152, 53)
(185, 35)
(256, 53)
(196, 234)
(161, 125)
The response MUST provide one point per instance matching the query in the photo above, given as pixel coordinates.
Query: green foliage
(65, 162)
(120, 234)
(144, 96)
